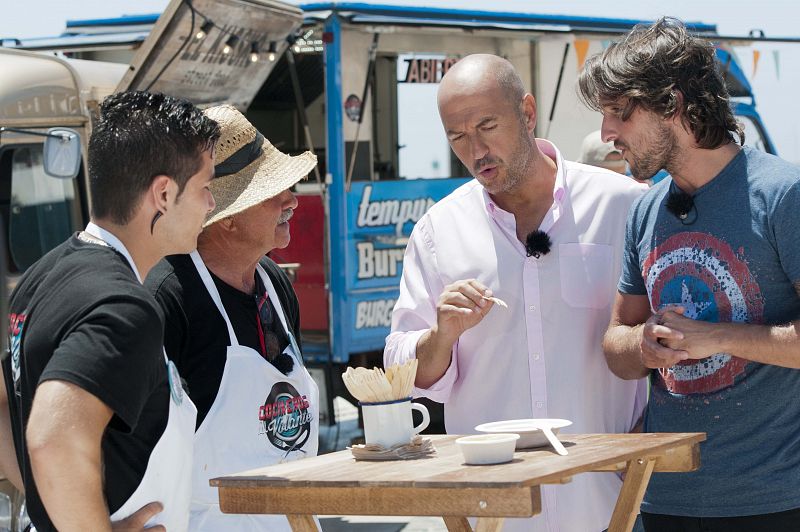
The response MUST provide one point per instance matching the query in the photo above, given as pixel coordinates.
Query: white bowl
(529, 430)
(487, 448)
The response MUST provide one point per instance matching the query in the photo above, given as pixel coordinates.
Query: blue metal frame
(427, 13)
(125, 20)
(468, 15)
(337, 206)
(749, 110)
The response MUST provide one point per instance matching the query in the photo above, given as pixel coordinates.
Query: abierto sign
(429, 70)
(178, 59)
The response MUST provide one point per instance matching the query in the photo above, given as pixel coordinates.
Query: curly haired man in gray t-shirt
(708, 298)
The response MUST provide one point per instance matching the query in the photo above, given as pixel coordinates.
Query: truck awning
(213, 51)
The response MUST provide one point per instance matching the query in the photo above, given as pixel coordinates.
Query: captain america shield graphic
(703, 274)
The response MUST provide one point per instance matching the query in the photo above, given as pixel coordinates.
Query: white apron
(259, 417)
(167, 478)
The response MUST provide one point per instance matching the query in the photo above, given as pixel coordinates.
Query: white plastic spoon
(496, 300)
(554, 441)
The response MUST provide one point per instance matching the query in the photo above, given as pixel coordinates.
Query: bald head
(482, 73)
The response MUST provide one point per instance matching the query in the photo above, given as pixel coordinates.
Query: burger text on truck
(357, 86)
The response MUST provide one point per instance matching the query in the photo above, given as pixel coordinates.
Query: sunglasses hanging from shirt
(270, 342)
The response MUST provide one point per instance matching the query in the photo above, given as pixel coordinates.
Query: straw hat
(270, 172)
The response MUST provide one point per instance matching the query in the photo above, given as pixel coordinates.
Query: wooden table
(442, 485)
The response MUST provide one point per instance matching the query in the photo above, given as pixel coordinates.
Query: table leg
(457, 524)
(302, 523)
(484, 524)
(489, 524)
(630, 497)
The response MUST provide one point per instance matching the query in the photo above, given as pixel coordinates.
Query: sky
(777, 75)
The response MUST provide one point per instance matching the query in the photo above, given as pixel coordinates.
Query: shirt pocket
(585, 271)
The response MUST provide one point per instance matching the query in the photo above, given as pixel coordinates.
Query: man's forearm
(622, 347)
(434, 353)
(70, 485)
(9, 466)
(778, 345)
(64, 436)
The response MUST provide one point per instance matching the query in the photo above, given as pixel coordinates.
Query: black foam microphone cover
(679, 203)
(537, 243)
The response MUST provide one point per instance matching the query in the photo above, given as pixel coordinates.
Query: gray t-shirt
(733, 259)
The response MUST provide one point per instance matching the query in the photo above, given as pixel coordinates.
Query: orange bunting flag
(756, 57)
(581, 48)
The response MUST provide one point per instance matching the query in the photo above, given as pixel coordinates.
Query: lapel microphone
(681, 204)
(537, 243)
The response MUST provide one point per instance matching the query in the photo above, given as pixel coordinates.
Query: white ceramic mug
(390, 423)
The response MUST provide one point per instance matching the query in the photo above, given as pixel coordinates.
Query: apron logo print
(175, 384)
(285, 418)
(16, 323)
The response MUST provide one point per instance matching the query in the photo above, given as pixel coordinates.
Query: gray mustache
(285, 216)
(486, 161)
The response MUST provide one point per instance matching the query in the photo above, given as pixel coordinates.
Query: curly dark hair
(138, 136)
(654, 64)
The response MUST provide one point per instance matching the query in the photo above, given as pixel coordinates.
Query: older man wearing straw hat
(232, 323)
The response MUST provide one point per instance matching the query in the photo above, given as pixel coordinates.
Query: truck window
(410, 140)
(274, 109)
(424, 151)
(38, 211)
(752, 133)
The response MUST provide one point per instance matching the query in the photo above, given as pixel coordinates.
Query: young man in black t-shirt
(232, 323)
(86, 385)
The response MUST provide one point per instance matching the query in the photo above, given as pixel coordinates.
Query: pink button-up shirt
(541, 357)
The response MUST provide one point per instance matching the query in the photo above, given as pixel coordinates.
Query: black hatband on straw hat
(241, 158)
